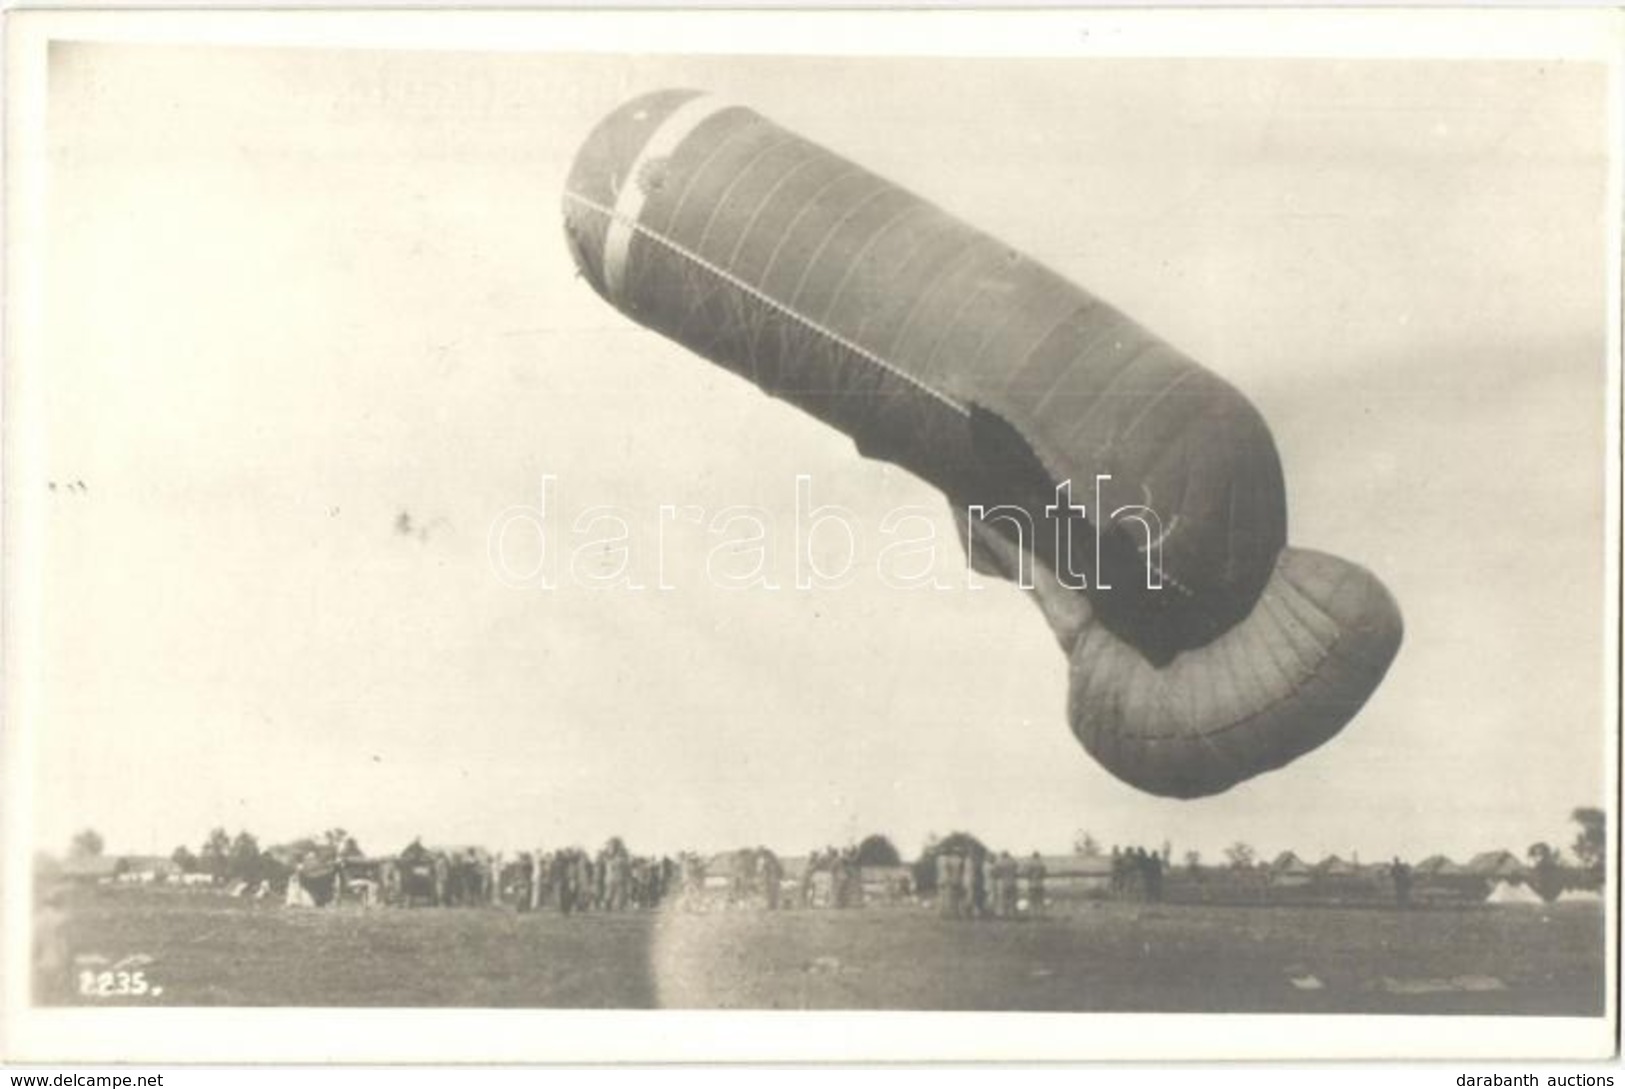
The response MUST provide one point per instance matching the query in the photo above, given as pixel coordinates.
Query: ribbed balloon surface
(939, 348)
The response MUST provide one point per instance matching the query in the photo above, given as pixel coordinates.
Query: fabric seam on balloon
(629, 200)
(767, 300)
(1297, 687)
(818, 328)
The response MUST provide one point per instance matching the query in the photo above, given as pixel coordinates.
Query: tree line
(227, 858)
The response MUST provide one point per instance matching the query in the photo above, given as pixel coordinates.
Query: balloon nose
(613, 167)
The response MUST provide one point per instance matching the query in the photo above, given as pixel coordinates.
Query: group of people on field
(572, 880)
(750, 877)
(1137, 874)
(833, 878)
(979, 884)
(761, 874)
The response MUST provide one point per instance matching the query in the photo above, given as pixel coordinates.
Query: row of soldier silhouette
(971, 881)
(1137, 874)
(982, 884)
(572, 880)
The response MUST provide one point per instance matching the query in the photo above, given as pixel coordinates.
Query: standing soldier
(1035, 885)
(580, 867)
(614, 879)
(590, 883)
(1002, 902)
(1133, 879)
(970, 884)
(992, 886)
(564, 881)
(514, 881)
(949, 881)
(638, 894)
(664, 880)
(772, 878)
(982, 884)
(1008, 889)
(854, 879)
(1402, 883)
(807, 879)
(747, 874)
(685, 881)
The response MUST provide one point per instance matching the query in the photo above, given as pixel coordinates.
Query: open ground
(206, 949)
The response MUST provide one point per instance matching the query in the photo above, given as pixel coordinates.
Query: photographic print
(644, 516)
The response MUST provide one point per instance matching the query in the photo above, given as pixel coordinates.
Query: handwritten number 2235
(110, 984)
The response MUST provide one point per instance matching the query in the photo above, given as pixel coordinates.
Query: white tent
(1505, 892)
(297, 896)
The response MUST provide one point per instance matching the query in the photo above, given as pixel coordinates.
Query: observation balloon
(1204, 650)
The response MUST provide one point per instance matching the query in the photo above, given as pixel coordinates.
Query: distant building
(1076, 875)
(887, 883)
(1497, 864)
(1288, 870)
(1332, 866)
(147, 869)
(1438, 866)
(88, 869)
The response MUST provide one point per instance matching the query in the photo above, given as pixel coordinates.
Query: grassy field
(207, 949)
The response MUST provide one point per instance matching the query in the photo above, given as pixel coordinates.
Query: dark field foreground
(206, 949)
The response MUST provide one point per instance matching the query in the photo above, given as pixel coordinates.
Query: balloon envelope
(1203, 650)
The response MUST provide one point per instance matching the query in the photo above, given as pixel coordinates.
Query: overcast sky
(293, 294)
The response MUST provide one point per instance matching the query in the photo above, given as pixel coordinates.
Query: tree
(215, 857)
(1546, 863)
(877, 850)
(1591, 844)
(1240, 855)
(184, 859)
(273, 871)
(243, 863)
(1193, 861)
(1085, 845)
(87, 844)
